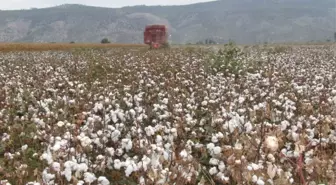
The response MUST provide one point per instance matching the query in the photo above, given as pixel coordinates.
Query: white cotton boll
(70, 165)
(56, 146)
(80, 182)
(220, 135)
(115, 135)
(71, 102)
(210, 146)
(248, 127)
(241, 99)
(165, 101)
(99, 133)
(214, 139)
(119, 152)
(121, 116)
(100, 157)
(166, 155)
(214, 161)
(174, 132)
(90, 120)
(184, 154)
(295, 136)
(117, 164)
(56, 166)
(155, 161)
(29, 183)
(271, 157)
(255, 166)
(142, 180)
(129, 170)
(284, 125)
(82, 167)
(149, 131)
(47, 157)
(217, 150)
(89, 177)
(158, 139)
(132, 112)
(203, 121)
(254, 178)
(127, 144)
(260, 182)
(238, 146)
(221, 166)
(24, 147)
(114, 116)
(188, 119)
(86, 141)
(47, 177)
(98, 107)
(204, 103)
(145, 162)
(107, 101)
(103, 181)
(213, 171)
(5, 137)
(110, 151)
(272, 143)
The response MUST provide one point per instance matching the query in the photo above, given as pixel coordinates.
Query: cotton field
(180, 116)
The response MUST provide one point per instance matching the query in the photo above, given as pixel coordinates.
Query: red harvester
(156, 36)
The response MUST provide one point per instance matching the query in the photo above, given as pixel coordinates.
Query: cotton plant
(155, 117)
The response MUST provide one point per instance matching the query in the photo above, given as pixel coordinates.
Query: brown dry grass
(6, 47)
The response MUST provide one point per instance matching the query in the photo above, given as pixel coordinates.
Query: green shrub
(105, 41)
(226, 60)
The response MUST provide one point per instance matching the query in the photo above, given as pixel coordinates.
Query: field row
(4, 47)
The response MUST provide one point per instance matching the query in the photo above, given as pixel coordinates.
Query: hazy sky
(26, 4)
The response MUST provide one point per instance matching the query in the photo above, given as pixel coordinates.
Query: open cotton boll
(117, 164)
(47, 156)
(149, 131)
(60, 124)
(214, 161)
(29, 183)
(80, 182)
(24, 147)
(89, 177)
(213, 171)
(103, 181)
(81, 167)
(221, 166)
(271, 142)
(217, 150)
(115, 135)
(129, 170)
(260, 182)
(47, 177)
(127, 144)
(56, 166)
(184, 154)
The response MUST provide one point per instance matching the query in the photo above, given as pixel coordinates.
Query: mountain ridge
(243, 21)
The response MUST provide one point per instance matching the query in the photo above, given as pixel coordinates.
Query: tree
(105, 41)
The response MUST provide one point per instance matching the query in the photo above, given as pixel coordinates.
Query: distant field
(6, 47)
(59, 46)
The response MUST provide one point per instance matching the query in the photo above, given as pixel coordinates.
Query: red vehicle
(155, 36)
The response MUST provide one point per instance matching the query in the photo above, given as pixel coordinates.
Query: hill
(244, 21)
